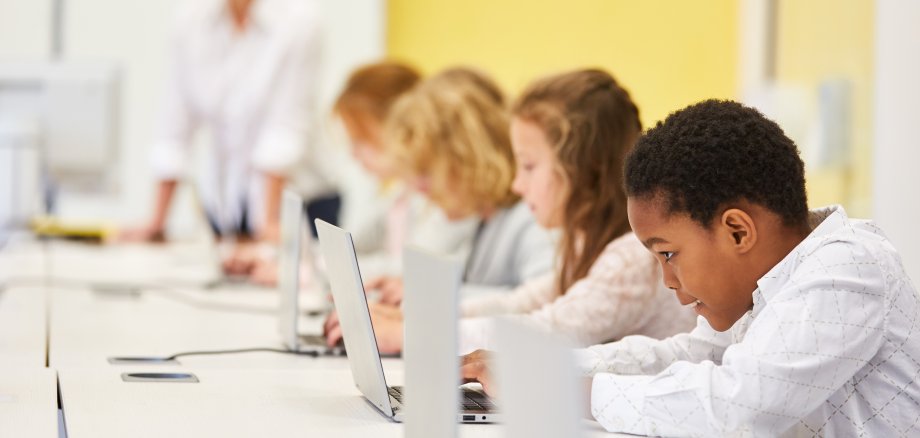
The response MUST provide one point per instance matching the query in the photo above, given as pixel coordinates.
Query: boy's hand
(476, 367)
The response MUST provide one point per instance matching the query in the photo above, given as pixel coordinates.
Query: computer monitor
(74, 105)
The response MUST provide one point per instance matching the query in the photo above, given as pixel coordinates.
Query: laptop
(537, 380)
(358, 332)
(293, 232)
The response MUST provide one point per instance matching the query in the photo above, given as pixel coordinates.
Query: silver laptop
(443, 277)
(537, 380)
(293, 233)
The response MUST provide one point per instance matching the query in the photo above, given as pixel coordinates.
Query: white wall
(134, 34)
(25, 29)
(896, 191)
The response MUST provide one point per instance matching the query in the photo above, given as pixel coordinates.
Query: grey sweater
(509, 249)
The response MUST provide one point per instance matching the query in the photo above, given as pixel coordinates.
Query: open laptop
(537, 380)
(357, 330)
(293, 232)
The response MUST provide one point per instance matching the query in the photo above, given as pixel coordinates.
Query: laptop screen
(289, 266)
(351, 303)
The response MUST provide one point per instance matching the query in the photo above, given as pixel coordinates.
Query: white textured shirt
(621, 295)
(251, 90)
(830, 348)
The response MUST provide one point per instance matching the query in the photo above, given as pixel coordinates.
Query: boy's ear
(741, 229)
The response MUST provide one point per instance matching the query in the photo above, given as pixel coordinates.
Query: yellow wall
(667, 53)
(824, 39)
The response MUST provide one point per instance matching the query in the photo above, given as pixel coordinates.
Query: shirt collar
(261, 15)
(739, 329)
(759, 303)
(822, 221)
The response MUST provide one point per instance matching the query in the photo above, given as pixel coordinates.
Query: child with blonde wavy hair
(450, 135)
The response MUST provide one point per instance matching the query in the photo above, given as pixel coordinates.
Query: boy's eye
(667, 255)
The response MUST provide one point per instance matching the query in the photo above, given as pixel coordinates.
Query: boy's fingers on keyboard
(473, 371)
(476, 356)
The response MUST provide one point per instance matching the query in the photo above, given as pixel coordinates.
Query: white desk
(28, 403)
(22, 328)
(231, 403)
(254, 394)
(188, 264)
(89, 327)
(23, 258)
(147, 301)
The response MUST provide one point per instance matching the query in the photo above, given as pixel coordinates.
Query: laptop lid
(289, 267)
(537, 383)
(344, 277)
(432, 367)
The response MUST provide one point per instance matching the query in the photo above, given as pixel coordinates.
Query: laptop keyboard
(312, 339)
(316, 341)
(472, 400)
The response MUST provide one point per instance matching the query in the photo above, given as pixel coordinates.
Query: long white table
(28, 390)
(28, 403)
(152, 301)
(189, 264)
(23, 327)
(89, 327)
(23, 260)
(233, 403)
(106, 301)
(226, 403)
(23, 304)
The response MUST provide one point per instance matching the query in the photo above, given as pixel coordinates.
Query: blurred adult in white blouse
(244, 70)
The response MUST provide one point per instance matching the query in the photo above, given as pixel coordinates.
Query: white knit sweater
(622, 295)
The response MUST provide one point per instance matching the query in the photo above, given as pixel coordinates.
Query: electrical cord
(167, 291)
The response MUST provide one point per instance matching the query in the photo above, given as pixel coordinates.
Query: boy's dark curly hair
(716, 152)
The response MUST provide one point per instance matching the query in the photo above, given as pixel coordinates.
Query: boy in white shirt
(808, 321)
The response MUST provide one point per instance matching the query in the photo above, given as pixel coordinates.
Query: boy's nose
(670, 280)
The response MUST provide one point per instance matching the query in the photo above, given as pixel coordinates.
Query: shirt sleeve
(616, 298)
(489, 301)
(612, 301)
(645, 355)
(809, 339)
(177, 119)
(281, 144)
(479, 312)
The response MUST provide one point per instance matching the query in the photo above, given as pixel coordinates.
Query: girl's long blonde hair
(453, 128)
(591, 124)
